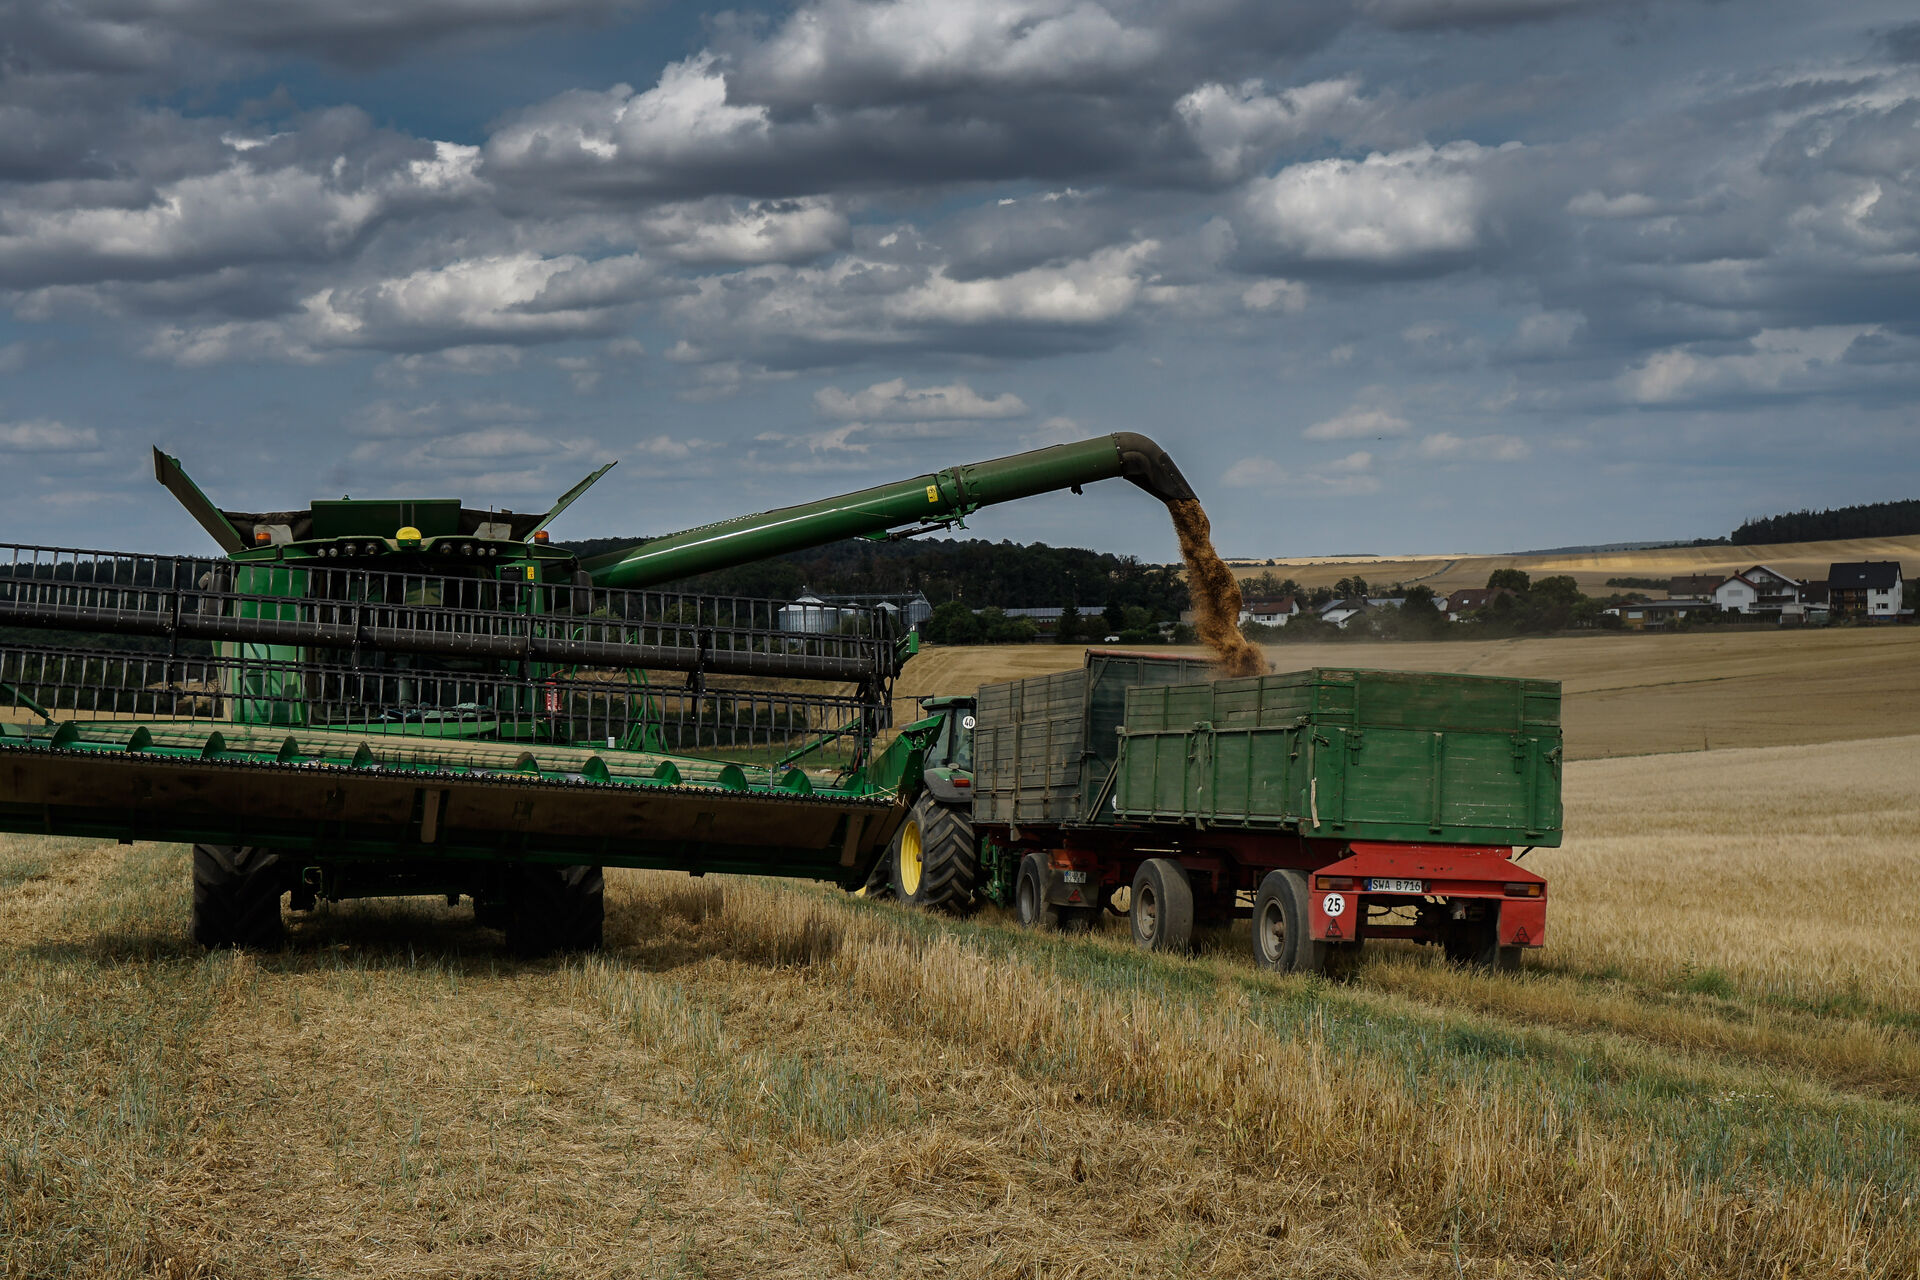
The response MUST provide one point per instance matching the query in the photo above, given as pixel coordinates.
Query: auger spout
(922, 502)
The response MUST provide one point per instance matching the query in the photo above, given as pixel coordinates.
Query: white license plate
(1073, 877)
(1378, 885)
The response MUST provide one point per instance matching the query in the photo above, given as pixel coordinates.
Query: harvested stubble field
(1591, 569)
(1713, 1070)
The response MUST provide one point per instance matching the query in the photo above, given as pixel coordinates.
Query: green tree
(1068, 629)
(1514, 580)
(951, 623)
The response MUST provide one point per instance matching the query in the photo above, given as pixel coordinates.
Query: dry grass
(1714, 1068)
(1446, 573)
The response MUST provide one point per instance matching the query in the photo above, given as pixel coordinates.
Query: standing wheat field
(1712, 1069)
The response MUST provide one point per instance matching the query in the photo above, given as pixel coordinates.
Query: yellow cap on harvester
(408, 537)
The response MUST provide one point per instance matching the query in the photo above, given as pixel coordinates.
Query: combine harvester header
(412, 696)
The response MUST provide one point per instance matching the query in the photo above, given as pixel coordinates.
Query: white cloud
(43, 435)
(764, 231)
(1268, 295)
(1238, 126)
(896, 401)
(1351, 475)
(833, 48)
(1091, 290)
(633, 137)
(1384, 210)
(1777, 360)
(1357, 424)
(1444, 446)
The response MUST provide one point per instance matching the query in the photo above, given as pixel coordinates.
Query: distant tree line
(1868, 520)
(973, 572)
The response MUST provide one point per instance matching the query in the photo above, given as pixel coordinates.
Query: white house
(1341, 612)
(1270, 613)
(1736, 595)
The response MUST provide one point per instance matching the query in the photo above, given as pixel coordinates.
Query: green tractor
(934, 860)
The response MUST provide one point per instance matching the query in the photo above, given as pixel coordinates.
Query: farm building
(1867, 589)
(1270, 613)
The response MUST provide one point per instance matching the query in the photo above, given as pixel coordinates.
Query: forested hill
(1006, 575)
(1870, 520)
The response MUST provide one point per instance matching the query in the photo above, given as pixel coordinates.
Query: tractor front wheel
(236, 897)
(935, 859)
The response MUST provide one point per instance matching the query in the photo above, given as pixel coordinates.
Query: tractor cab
(949, 761)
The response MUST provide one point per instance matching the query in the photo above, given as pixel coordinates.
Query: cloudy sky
(1382, 275)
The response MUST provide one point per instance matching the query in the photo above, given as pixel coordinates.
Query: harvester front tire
(557, 909)
(236, 897)
(935, 859)
(1282, 932)
(1162, 910)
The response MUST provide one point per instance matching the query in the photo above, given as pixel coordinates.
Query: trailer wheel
(935, 858)
(1475, 944)
(1030, 895)
(1162, 910)
(1281, 940)
(236, 897)
(556, 909)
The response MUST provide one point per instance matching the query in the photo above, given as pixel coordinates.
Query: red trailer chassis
(1474, 900)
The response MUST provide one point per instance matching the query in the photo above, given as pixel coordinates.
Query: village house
(1693, 586)
(1640, 615)
(1341, 612)
(1865, 589)
(1270, 613)
(1469, 600)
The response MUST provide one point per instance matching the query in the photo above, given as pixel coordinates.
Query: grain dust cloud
(1216, 593)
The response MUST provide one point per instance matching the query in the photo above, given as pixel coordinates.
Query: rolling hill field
(1445, 573)
(1712, 1069)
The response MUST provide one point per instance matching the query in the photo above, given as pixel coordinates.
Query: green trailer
(1330, 806)
(1334, 753)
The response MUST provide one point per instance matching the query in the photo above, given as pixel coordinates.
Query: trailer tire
(236, 897)
(935, 859)
(556, 909)
(1281, 932)
(1030, 895)
(1162, 910)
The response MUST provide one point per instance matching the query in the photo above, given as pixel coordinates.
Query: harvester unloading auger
(371, 698)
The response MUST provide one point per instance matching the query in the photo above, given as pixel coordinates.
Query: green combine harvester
(398, 697)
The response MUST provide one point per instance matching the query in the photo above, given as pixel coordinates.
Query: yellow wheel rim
(910, 858)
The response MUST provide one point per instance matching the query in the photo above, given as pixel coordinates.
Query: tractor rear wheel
(236, 897)
(936, 859)
(1162, 909)
(556, 909)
